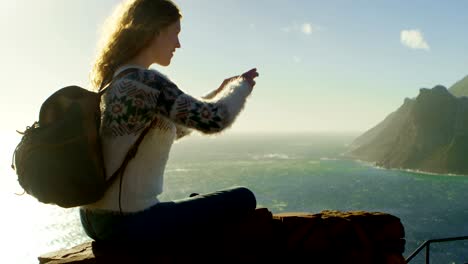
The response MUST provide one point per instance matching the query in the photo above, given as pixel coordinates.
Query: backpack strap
(133, 149)
(130, 155)
(106, 84)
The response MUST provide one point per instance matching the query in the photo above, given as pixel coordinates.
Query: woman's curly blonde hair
(130, 29)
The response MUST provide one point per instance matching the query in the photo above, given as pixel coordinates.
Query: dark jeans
(178, 221)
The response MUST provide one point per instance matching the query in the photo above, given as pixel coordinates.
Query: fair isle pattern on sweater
(143, 97)
(201, 115)
(135, 100)
(127, 108)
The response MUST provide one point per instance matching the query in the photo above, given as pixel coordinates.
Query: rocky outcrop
(428, 133)
(326, 237)
(460, 88)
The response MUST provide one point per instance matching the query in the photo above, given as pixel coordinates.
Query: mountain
(460, 88)
(428, 133)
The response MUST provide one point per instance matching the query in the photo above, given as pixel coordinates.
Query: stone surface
(343, 237)
(326, 237)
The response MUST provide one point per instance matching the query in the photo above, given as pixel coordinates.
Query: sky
(325, 66)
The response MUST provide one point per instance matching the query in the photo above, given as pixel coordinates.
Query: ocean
(295, 172)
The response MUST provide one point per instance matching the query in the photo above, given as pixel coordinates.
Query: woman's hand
(250, 76)
(220, 88)
(226, 81)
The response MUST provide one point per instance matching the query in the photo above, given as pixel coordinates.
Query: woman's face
(165, 43)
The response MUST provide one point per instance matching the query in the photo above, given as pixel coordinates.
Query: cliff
(326, 237)
(460, 88)
(428, 133)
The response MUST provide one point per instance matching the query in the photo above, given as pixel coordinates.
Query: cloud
(297, 59)
(305, 28)
(413, 38)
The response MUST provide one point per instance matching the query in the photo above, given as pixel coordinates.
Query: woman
(146, 32)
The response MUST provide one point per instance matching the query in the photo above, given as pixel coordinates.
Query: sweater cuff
(233, 98)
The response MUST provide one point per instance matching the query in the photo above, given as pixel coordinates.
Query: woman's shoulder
(141, 74)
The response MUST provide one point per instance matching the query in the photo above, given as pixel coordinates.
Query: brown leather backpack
(59, 158)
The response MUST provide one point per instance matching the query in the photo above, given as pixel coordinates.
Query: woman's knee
(246, 196)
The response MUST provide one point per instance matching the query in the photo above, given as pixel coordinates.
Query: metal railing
(427, 245)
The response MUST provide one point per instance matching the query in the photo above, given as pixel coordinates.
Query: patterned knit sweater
(146, 97)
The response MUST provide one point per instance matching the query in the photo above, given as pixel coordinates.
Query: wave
(328, 159)
(428, 173)
(279, 205)
(179, 170)
(274, 156)
(416, 171)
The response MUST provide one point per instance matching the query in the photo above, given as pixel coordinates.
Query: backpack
(59, 158)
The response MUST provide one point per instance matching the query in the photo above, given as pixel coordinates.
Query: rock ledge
(326, 237)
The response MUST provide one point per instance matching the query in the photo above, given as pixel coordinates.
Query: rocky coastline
(426, 134)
